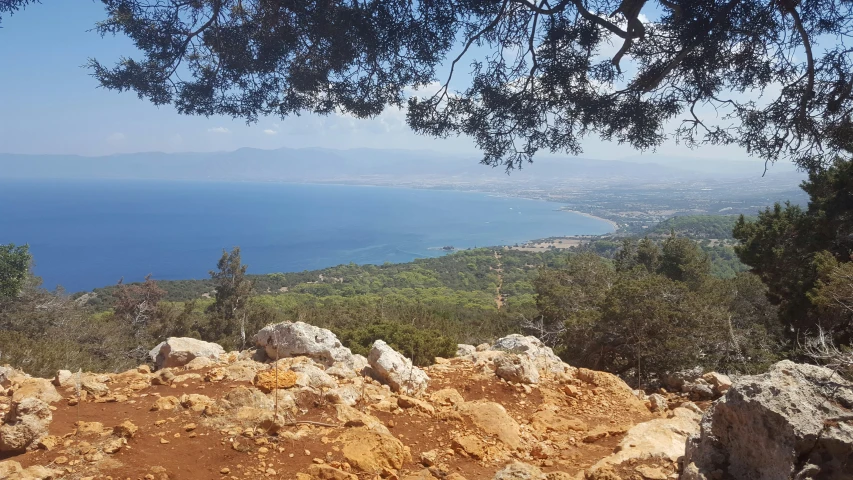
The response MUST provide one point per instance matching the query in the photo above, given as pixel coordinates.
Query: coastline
(589, 215)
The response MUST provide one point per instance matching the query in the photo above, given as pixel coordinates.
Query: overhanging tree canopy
(773, 76)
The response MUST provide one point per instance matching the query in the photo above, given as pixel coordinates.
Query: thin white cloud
(222, 130)
(270, 131)
(116, 137)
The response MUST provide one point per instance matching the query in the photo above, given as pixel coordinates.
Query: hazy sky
(50, 104)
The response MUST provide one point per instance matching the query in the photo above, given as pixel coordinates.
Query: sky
(50, 104)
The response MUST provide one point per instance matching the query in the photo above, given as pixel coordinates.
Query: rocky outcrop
(179, 351)
(300, 339)
(516, 368)
(699, 385)
(661, 439)
(793, 422)
(463, 349)
(395, 370)
(542, 356)
(520, 471)
(39, 388)
(373, 452)
(25, 425)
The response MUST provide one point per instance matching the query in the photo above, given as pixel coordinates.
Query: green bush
(420, 345)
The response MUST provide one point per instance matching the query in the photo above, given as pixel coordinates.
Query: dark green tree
(233, 291)
(697, 64)
(15, 264)
(788, 247)
(683, 261)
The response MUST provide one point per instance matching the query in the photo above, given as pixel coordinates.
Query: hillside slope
(487, 413)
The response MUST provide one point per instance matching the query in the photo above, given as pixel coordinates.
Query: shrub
(420, 345)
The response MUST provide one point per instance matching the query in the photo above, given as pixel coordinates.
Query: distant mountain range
(372, 166)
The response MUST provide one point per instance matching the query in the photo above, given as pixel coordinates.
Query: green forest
(635, 306)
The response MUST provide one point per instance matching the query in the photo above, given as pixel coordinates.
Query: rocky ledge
(302, 406)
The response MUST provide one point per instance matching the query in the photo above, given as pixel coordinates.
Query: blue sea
(87, 234)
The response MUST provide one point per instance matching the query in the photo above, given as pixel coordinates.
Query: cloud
(222, 130)
(116, 137)
(270, 131)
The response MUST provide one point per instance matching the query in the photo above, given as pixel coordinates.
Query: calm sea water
(89, 234)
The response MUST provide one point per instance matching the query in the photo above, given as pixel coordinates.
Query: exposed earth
(510, 410)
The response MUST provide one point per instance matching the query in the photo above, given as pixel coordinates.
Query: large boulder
(24, 425)
(395, 370)
(516, 368)
(533, 348)
(300, 339)
(39, 388)
(791, 422)
(493, 419)
(179, 351)
(372, 452)
(660, 441)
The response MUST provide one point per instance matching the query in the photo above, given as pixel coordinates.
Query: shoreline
(589, 215)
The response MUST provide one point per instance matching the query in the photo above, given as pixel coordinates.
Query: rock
(89, 428)
(243, 371)
(464, 350)
(351, 417)
(274, 378)
(309, 375)
(419, 405)
(243, 397)
(179, 351)
(50, 442)
(112, 446)
(63, 378)
(95, 387)
(341, 371)
(344, 395)
(519, 471)
(39, 388)
(372, 452)
(720, 383)
(493, 419)
(547, 419)
(516, 368)
(163, 377)
(395, 370)
(661, 439)
(674, 382)
(196, 402)
(35, 472)
(699, 391)
(25, 425)
(300, 339)
(125, 429)
(657, 402)
(165, 403)
(429, 458)
(470, 445)
(8, 467)
(482, 347)
(446, 397)
(327, 472)
(791, 422)
(542, 356)
(198, 363)
(651, 473)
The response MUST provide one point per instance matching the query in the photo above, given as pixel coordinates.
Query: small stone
(225, 471)
(163, 441)
(190, 427)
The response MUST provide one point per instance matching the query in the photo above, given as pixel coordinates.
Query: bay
(87, 234)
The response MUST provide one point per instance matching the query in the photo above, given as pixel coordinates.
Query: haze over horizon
(43, 43)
